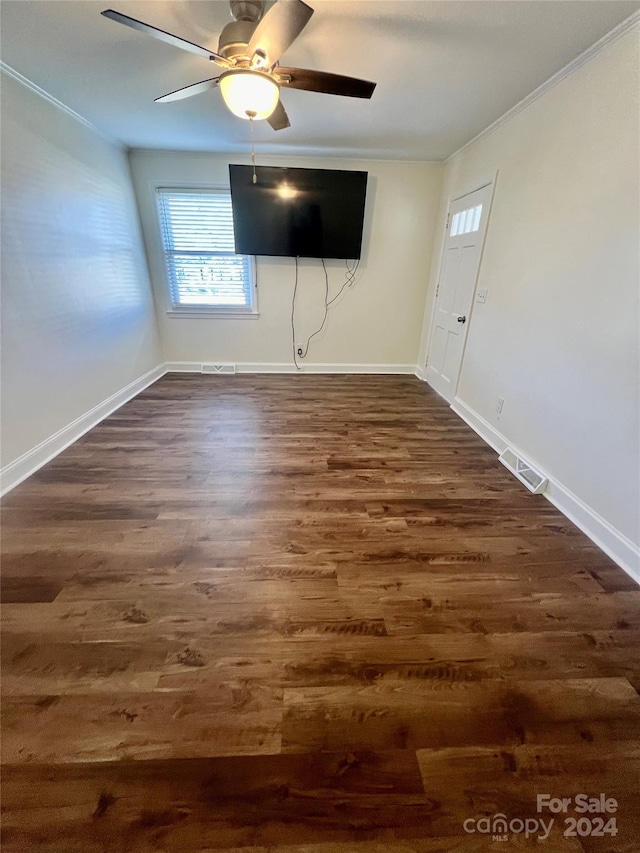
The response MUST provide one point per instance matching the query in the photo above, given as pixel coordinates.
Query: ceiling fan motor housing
(247, 10)
(235, 37)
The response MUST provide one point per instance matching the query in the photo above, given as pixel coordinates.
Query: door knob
(462, 319)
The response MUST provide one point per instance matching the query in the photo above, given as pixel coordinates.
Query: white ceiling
(445, 70)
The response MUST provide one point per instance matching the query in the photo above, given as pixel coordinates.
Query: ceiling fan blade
(279, 28)
(279, 118)
(169, 38)
(188, 91)
(320, 81)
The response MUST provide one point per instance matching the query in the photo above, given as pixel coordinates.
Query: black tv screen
(304, 213)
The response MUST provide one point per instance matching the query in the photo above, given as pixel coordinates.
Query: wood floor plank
(557, 654)
(534, 612)
(324, 660)
(54, 664)
(416, 715)
(218, 802)
(230, 719)
(31, 590)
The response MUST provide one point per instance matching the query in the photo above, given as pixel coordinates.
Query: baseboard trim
(24, 466)
(615, 544)
(183, 366)
(286, 367)
(478, 424)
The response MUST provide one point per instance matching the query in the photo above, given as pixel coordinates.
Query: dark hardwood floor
(304, 613)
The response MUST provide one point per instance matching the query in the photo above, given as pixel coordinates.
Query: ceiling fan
(249, 50)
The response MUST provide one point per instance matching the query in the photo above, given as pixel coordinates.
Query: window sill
(199, 314)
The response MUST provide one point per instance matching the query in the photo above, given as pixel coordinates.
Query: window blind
(202, 267)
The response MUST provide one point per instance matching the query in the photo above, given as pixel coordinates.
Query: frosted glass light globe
(249, 94)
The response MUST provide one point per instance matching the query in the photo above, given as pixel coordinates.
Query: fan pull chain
(253, 149)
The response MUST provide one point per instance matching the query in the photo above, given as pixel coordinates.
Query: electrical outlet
(481, 295)
(299, 351)
(499, 405)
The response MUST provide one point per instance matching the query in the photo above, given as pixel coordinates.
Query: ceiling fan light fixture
(249, 94)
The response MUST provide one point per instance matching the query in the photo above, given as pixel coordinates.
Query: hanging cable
(253, 147)
(326, 311)
(350, 275)
(293, 311)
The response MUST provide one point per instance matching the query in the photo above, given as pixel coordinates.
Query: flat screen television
(304, 213)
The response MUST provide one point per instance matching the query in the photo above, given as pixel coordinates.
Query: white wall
(558, 335)
(78, 321)
(378, 321)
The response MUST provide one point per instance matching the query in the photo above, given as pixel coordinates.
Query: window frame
(194, 311)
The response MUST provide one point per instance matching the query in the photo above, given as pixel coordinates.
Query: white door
(467, 225)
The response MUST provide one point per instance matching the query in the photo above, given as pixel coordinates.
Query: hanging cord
(293, 311)
(253, 147)
(350, 275)
(326, 310)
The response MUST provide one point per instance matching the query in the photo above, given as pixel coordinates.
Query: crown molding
(585, 57)
(33, 87)
(266, 158)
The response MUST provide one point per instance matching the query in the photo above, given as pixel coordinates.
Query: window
(204, 273)
(466, 221)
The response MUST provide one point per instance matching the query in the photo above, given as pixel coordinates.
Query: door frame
(478, 184)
